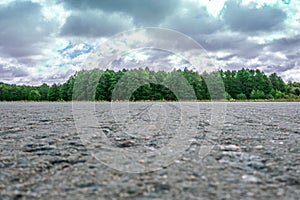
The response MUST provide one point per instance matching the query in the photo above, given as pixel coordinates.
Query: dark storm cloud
(92, 18)
(285, 44)
(22, 26)
(280, 68)
(295, 55)
(27, 61)
(143, 12)
(226, 57)
(7, 72)
(238, 45)
(193, 21)
(222, 42)
(94, 24)
(250, 19)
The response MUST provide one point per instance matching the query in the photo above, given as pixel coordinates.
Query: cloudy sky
(48, 40)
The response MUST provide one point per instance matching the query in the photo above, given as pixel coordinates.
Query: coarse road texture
(255, 156)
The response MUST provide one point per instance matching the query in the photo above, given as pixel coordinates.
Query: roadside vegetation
(241, 85)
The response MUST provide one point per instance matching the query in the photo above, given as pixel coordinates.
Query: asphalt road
(149, 151)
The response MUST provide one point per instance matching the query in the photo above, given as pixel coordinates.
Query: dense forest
(143, 84)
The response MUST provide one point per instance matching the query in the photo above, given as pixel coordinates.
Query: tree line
(144, 84)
